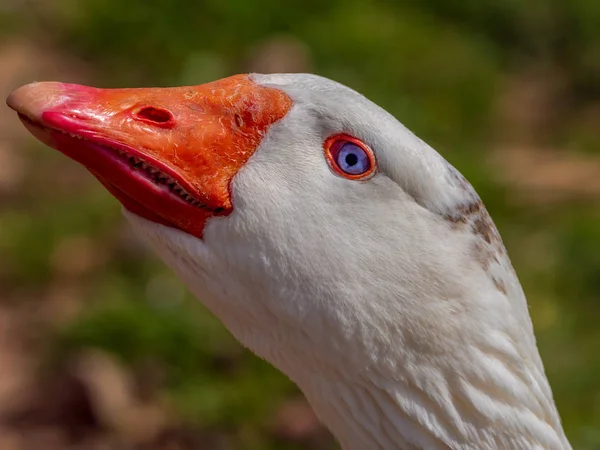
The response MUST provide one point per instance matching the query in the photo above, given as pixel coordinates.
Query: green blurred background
(102, 348)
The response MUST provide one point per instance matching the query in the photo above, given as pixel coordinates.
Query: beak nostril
(155, 115)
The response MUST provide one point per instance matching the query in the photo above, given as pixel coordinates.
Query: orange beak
(167, 154)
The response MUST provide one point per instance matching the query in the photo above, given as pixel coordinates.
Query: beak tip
(33, 99)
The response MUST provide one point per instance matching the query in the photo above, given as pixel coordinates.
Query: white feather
(390, 302)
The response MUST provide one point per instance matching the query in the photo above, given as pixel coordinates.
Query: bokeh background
(102, 348)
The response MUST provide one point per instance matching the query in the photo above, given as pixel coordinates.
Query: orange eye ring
(335, 144)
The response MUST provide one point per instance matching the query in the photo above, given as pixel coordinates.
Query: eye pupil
(351, 159)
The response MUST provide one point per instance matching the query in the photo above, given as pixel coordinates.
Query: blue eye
(353, 159)
(349, 157)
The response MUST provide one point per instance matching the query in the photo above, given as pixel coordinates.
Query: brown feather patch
(472, 216)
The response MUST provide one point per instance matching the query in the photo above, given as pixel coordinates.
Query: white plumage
(391, 302)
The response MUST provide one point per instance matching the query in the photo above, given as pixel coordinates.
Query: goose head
(330, 241)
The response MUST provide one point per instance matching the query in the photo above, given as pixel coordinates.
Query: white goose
(330, 241)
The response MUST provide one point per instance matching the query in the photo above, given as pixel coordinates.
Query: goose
(330, 241)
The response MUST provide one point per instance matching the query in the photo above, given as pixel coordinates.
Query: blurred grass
(439, 66)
